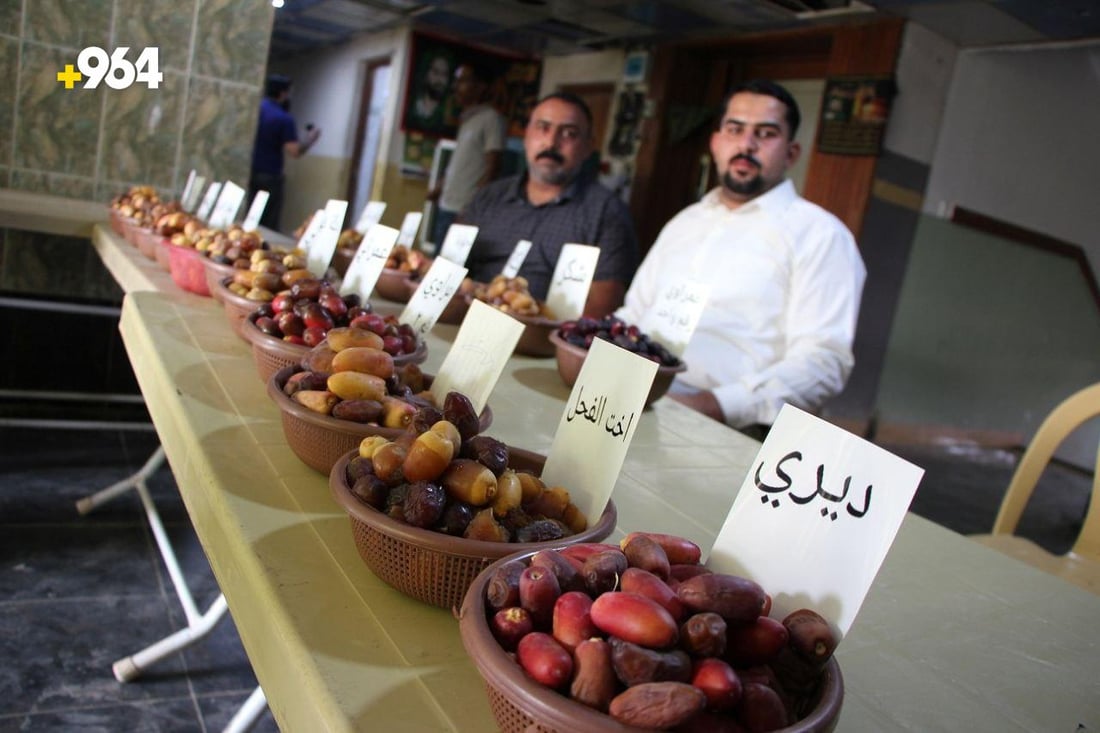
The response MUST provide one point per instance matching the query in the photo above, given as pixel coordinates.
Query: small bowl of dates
(573, 338)
(432, 507)
(603, 638)
(511, 295)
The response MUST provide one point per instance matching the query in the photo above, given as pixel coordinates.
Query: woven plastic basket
(269, 352)
(430, 566)
(163, 256)
(130, 230)
(187, 270)
(521, 705)
(571, 357)
(117, 221)
(393, 285)
(237, 307)
(215, 273)
(320, 440)
(146, 241)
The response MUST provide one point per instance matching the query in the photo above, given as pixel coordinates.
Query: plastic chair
(1081, 565)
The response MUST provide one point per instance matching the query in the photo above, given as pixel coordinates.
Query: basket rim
(266, 342)
(563, 345)
(229, 296)
(501, 672)
(210, 264)
(431, 540)
(291, 408)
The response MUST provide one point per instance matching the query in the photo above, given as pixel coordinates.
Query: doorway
(368, 132)
(598, 97)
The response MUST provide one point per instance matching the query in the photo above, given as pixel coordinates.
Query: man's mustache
(552, 154)
(747, 158)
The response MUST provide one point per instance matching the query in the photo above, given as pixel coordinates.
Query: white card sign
(673, 319)
(323, 247)
(457, 243)
(515, 260)
(368, 261)
(192, 199)
(256, 211)
(229, 201)
(409, 227)
(482, 347)
(316, 223)
(571, 281)
(427, 303)
(187, 189)
(599, 421)
(815, 517)
(371, 215)
(208, 201)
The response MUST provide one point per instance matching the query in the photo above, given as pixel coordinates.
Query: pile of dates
(407, 260)
(644, 633)
(351, 377)
(582, 331)
(138, 203)
(307, 311)
(508, 294)
(441, 474)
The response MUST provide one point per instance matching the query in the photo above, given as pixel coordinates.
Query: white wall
(925, 64)
(1019, 140)
(328, 84)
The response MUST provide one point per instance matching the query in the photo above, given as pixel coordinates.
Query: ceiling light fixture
(277, 3)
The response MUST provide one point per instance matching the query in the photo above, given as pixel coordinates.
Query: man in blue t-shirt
(276, 135)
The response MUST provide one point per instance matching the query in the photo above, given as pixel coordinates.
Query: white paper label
(427, 303)
(409, 227)
(457, 243)
(208, 201)
(815, 517)
(483, 345)
(571, 281)
(515, 260)
(256, 211)
(323, 247)
(309, 236)
(673, 319)
(369, 260)
(371, 215)
(192, 199)
(229, 201)
(599, 421)
(187, 189)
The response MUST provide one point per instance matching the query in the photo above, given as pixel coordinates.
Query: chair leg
(247, 715)
(129, 668)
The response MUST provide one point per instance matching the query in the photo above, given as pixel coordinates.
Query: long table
(953, 636)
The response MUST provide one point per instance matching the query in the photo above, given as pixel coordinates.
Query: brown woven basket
(237, 307)
(269, 352)
(393, 284)
(430, 566)
(320, 440)
(571, 358)
(521, 705)
(215, 272)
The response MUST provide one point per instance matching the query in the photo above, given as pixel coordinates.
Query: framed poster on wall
(430, 108)
(854, 113)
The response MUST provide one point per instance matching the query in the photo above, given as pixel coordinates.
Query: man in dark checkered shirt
(551, 204)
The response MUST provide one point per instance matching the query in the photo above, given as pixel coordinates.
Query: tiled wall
(91, 144)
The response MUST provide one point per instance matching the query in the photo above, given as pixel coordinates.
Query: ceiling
(563, 27)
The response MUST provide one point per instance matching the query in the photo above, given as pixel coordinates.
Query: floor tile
(160, 716)
(218, 710)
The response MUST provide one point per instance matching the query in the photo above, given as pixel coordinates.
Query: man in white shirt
(478, 146)
(785, 275)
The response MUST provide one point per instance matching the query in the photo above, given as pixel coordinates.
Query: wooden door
(598, 97)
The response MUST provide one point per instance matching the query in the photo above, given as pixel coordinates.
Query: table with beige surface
(952, 637)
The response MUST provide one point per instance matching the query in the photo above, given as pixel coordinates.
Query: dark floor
(77, 593)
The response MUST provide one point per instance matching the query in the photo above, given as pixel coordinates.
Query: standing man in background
(478, 146)
(785, 276)
(276, 136)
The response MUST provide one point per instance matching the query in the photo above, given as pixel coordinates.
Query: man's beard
(558, 177)
(751, 187)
